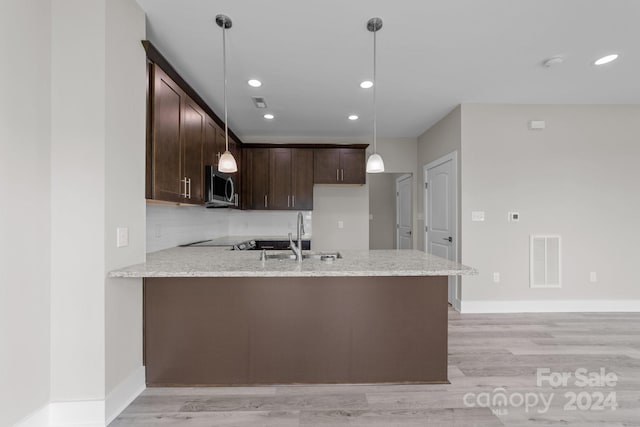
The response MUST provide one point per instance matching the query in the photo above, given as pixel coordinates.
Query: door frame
(454, 281)
(398, 179)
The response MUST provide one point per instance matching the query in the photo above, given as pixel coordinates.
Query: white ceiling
(432, 55)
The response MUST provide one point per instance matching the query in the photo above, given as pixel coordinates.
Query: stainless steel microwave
(220, 189)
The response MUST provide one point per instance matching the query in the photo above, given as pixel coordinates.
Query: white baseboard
(85, 413)
(39, 418)
(89, 413)
(122, 396)
(551, 306)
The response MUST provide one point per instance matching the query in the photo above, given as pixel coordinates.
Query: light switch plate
(340, 224)
(477, 216)
(122, 238)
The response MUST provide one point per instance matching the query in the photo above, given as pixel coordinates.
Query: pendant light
(374, 163)
(226, 163)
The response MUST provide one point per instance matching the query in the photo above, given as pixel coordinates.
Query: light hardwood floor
(485, 352)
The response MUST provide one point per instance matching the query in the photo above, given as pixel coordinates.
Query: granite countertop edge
(221, 262)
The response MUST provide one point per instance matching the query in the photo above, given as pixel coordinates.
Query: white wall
(97, 184)
(441, 139)
(399, 155)
(77, 200)
(577, 178)
(348, 204)
(124, 189)
(25, 124)
(382, 210)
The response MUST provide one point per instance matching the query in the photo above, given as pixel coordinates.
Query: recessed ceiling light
(606, 59)
(269, 116)
(353, 117)
(366, 84)
(254, 83)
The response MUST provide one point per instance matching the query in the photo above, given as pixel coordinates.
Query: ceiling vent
(259, 102)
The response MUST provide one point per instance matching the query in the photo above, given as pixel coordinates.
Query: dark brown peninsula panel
(288, 330)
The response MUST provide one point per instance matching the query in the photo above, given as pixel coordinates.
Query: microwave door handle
(229, 190)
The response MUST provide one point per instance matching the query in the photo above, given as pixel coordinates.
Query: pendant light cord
(224, 65)
(375, 84)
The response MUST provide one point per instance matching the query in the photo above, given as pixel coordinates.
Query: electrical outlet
(122, 237)
(496, 277)
(340, 224)
(593, 277)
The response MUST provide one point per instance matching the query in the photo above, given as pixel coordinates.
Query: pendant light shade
(226, 163)
(374, 163)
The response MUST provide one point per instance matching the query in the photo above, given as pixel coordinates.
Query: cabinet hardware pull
(342, 173)
(184, 187)
(189, 182)
(288, 201)
(265, 201)
(337, 174)
(293, 198)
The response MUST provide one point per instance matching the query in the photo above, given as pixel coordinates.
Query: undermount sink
(323, 256)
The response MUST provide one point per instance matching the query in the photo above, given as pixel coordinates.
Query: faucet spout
(297, 249)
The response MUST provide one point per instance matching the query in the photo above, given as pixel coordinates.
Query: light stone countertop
(222, 262)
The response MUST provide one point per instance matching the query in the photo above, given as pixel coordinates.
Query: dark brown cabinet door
(302, 179)
(210, 148)
(326, 166)
(280, 178)
(352, 166)
(339, 166)
(193, 144)
(168, 100)
(257, 178)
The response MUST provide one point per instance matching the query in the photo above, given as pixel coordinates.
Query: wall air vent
(545, 263)
(259, 102)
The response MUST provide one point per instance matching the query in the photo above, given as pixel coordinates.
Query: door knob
(448, 239)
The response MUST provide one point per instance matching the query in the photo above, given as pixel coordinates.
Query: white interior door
(441, 216)
(404, 217)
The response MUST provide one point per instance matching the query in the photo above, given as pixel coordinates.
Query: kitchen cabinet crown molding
(154, 56)
(302, 145)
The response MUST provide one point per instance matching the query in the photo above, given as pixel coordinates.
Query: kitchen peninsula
(213, 316)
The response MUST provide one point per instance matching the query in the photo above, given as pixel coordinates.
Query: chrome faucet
(297, 249)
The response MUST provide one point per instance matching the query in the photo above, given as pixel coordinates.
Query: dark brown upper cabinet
(178, 126)
(339, 166)
(279, 178)
(302, 179)
(183, 136)
(255, 179)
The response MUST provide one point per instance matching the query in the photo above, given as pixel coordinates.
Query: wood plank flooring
(486, 352)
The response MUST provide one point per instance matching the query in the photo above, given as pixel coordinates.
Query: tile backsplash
(169, 226)
(266, 223)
